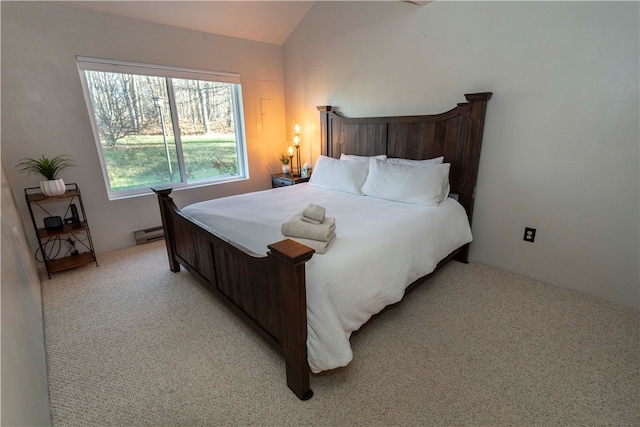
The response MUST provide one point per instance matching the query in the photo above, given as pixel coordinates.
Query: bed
(293, 298)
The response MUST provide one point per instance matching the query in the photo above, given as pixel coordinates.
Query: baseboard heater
(148, 235)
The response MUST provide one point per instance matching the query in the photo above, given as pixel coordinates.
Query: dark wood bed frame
(269, 291)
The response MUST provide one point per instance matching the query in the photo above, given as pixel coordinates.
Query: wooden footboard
(268, 292)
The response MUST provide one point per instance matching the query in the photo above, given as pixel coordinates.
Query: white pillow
(361, 158)
(426, 186)
(408, 162)
(340, 175)
(420, 163)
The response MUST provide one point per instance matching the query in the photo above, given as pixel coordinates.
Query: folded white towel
(314, 212)
(296, 227)
(309, 220)
(317, 245)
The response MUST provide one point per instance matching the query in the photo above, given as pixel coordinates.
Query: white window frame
(114, 66)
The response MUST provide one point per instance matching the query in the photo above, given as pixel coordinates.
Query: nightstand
(284, 179)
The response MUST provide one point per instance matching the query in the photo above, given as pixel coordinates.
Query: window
(157, 125)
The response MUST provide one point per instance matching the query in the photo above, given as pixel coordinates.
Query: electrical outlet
(529, 234)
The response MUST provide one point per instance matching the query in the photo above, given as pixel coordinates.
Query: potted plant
(284, 159)
(49, 169)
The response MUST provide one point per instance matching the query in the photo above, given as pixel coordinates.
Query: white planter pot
(285, 169)
(54, 187)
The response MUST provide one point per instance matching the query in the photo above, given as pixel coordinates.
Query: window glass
(152, 129)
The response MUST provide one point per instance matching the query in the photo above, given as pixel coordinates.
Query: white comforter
(381, 248)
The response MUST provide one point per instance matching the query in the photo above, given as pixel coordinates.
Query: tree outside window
(154, 130)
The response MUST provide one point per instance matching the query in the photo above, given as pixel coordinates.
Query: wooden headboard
(455, 134)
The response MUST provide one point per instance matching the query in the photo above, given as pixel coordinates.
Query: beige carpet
(131, 344)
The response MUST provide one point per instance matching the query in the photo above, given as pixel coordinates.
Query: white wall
(44, 111)
(25, 394)
(561, 142)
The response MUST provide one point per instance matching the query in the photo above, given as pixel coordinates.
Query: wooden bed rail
(251, 285)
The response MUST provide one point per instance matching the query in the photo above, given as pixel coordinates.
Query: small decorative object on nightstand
(282, 180)
(285, 160)
(296, 143)
(306, 171)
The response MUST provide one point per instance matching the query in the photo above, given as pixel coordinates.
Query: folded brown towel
(296, 227)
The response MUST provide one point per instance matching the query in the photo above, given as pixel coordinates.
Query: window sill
(174, 187)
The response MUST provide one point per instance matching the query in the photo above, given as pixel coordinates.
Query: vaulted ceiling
(263, 21)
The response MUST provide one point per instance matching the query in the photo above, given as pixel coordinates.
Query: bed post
(325, 130)
(291, 257)
(477, 110)
(166, 203)
(467, 193)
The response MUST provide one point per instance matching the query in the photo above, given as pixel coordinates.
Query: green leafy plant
(284, 159)
(48, 168)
